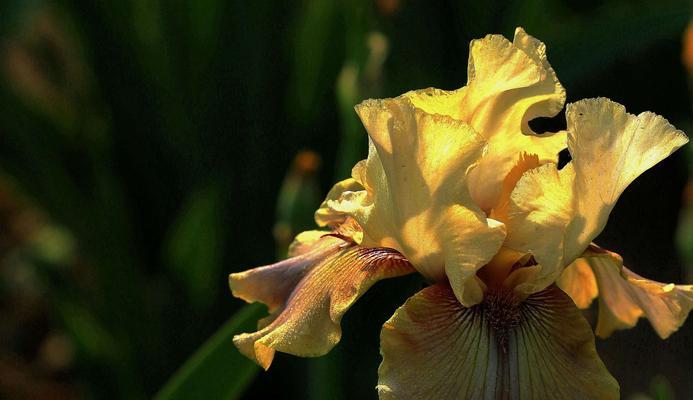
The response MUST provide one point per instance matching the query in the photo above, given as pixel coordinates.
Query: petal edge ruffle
(416, 199)
(556, 214)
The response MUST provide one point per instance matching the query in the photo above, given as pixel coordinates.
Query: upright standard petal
(508, 84)
(556, 214)
(307, 296)
(624, 297)
(416, 198)
(542, 348)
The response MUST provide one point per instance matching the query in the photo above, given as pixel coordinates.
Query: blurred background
(148, 148)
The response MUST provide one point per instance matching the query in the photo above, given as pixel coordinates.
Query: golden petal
(416, 199)
(326, 215)
(578, 281)
(438, 101)
(304, 242)
(556, 214)
(542, 348)
(508, 85)
(307, 296)
(624, 297)
(524, 163)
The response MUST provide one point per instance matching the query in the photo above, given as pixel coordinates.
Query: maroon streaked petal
(307, 296)
(541, 348)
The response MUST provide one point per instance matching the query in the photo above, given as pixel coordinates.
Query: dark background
(147, 147)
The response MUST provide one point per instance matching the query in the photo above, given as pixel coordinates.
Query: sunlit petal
(542, 348)
(508, 84)
(524, 163)
(305, 241)
(308, 294)
(556, 214)
(578, 281)
(327, 215)
(624, 297)
(416, 199)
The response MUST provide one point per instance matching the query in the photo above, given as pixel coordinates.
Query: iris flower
(458, 188)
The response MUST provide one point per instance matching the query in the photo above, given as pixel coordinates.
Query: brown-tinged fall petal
(554, 215)
(624, 297)
(307, 295)
(542, 348)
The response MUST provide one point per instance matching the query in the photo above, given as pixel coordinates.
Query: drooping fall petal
(416, 199)
(307, 296)
(578, 282)
(508, 84)
(542, 348)
(624, 297)
(556, 214)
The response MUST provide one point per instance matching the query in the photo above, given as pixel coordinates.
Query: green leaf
(217, 370)
(89, 335)
(312, 49)
(194, 246)
(661, 388)
(325, 373)
(205, 19)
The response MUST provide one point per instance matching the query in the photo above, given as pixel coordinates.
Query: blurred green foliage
(159, 137)
(216, 371)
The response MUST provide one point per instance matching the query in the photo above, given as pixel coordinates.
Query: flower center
(496, 272)
(501, 309)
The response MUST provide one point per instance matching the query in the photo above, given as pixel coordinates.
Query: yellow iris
(457, 187)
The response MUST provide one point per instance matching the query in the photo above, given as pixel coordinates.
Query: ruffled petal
(435, 348)
(524, 163)
(556, 214)
(508, 84)
(624, 297)
(578, 282)
(308, 294)
(327, 215)
(416, 199)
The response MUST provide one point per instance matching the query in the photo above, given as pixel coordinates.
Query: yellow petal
(524, 163)
(611, 148)
(578, 281)
(625, 296)
(416, 199)
(542, 348)
(556, 214)
(537, 217)
(508, 84)
(305, 242)
(326, 215)
(307, 296)
(437, 101)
